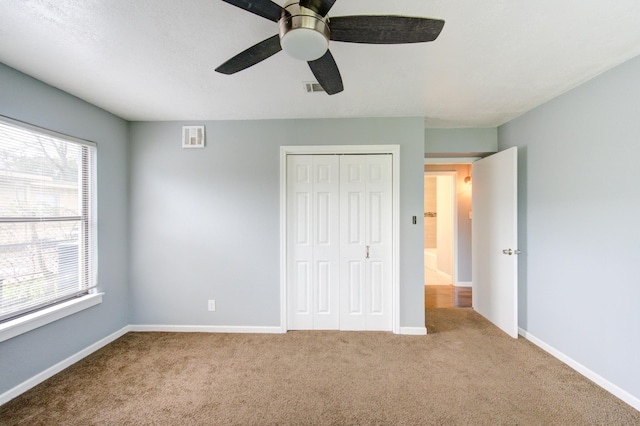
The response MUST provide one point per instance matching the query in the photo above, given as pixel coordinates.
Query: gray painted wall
(23, 98)
(460, 141)
(579, 205)
(205, 222)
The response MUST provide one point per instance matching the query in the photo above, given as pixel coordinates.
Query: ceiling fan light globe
(304, 44)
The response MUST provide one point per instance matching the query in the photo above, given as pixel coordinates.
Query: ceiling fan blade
(251, 56)
(384, 29)
(321, 7)
(265, 8)
(327, 73)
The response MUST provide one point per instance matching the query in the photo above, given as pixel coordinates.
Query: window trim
(24, 323)
(28, 322)
(52, 133)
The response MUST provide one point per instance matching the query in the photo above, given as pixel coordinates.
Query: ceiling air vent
(313, 87)
(193, 136)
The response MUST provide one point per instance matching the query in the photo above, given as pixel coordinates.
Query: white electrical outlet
(212, 305)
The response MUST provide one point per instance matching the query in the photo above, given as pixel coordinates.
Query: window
(47, 218)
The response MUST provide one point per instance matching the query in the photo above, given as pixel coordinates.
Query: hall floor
(447, 296)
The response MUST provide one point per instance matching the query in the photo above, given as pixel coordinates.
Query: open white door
(495, 239)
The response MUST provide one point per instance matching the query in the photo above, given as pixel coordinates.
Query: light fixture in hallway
(467, 179)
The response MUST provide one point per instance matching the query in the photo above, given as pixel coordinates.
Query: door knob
(510, 251)
(367, 252)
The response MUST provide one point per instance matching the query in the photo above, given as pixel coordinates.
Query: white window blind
(47, 218)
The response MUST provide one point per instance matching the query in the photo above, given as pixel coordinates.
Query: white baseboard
(589, 374)
(444, 275)
(51, 371)
(464, 284)
(206, 329)
(413, 331)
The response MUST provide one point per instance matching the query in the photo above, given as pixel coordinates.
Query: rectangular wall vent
(312, 87)
(193, 136)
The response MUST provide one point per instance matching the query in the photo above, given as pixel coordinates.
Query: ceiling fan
(305, 31)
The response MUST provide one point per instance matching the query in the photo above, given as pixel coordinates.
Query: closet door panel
(312, 242)
(326, 241)
(378, 275)
(300, 242)
(352, 242)
(366, 243)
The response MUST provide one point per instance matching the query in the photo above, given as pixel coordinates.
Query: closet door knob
(367, 252)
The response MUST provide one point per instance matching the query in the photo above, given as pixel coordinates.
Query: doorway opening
(447, 235)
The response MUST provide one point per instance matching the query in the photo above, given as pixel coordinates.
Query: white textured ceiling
(155, 59)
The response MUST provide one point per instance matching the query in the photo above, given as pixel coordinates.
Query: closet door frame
(394, 150)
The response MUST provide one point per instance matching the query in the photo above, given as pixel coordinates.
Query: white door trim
(394, 150)
(453, 175)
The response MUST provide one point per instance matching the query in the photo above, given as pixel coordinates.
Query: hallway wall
(445, 228)
(463, 208)
(430, 206)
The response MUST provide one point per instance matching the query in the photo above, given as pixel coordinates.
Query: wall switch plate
(211, 305)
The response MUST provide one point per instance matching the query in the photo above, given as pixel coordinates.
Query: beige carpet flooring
(464, 372)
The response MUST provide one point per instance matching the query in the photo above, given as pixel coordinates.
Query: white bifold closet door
(313, 241)
(365, 242)
(339, 242)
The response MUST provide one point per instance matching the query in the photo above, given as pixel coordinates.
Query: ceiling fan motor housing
(304, 35)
